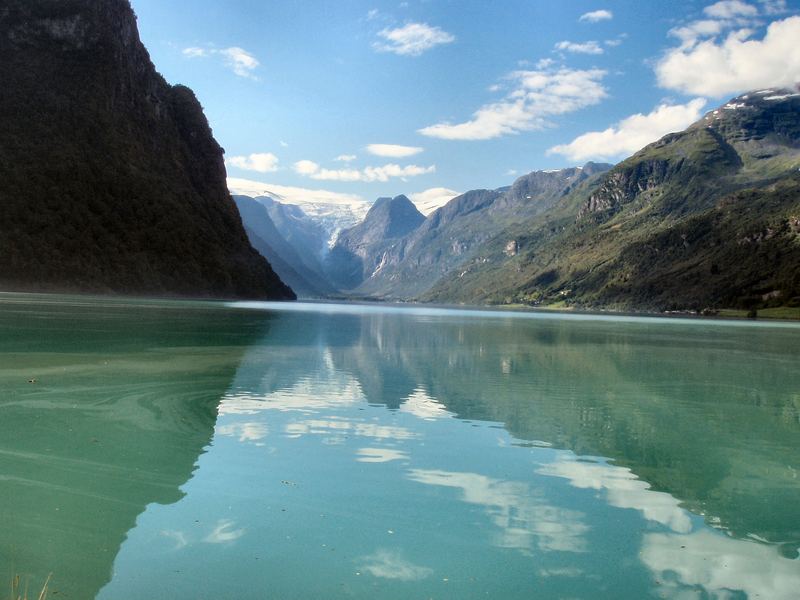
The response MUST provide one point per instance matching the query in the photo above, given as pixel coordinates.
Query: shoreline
(730, 315)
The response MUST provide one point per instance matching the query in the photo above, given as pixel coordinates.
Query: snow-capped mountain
(330, 210)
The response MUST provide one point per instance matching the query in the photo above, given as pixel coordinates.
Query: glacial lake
(189, 450)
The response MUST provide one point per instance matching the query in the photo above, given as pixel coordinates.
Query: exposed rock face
(623, 185)
(536, 191)
(110, 178)
(459, 232)
(760, 129)
(362, 251)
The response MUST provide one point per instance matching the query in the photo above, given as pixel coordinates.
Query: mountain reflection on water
(366, 452)
(105, 406)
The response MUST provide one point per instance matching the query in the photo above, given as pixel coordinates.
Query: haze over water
(199, 450)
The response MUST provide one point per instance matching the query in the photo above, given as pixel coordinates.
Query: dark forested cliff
(110, 178)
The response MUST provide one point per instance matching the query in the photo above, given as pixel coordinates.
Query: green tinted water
(171, 450)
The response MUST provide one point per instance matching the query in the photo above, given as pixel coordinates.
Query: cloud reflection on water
(390, 564)
(335, 425)
(380, 455)
(623, 490)
(423, 405)
(524, 517)
(720, 565)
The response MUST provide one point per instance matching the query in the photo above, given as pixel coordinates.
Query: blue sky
(380, 98)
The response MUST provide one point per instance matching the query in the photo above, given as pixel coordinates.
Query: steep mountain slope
(360, 251)
(284, 258)
(331, 212)
(307, 236)
(110, 178)
(454, 234)
(704, 218)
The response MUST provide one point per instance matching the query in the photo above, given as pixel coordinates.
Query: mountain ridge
(607, 246)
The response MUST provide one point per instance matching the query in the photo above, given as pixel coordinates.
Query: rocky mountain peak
(393, 217)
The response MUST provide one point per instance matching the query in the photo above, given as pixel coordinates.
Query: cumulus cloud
(263, 162)
(735, 64)
(393, 150)
(346, 158)
(596, 16)
(729, 9)
(536, 96)
(590, 47)
(412, 39)
(429, 200)
(308, 168)
(238, 60)
(632, 133)
(688, 34)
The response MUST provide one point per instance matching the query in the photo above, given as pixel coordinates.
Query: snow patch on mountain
(333, 211)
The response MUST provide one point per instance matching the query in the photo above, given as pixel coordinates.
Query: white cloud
(536, 96)
(264, 162)
(597, 15)
(735, 64)
(590, 47)
(412, 39)
(689, 34)
(284, 144)
(729, 9)
(308, 168)
(292, 195)
(195, 52)
(429, 200)
(238, 60)
(773, 7)
(633, 133)
(345, 158)
(719, 17)
(393, 150)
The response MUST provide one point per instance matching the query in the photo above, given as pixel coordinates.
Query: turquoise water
(197, 450)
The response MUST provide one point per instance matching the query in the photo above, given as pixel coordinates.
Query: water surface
(197, 450)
